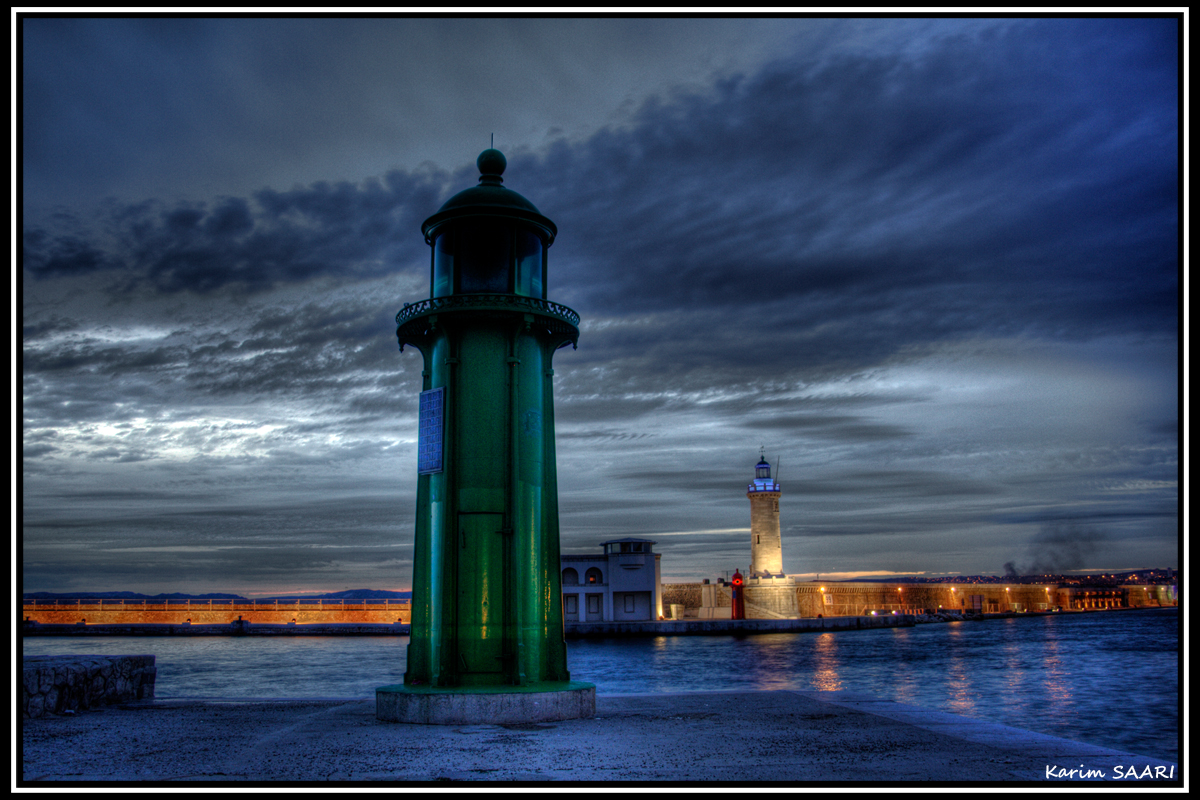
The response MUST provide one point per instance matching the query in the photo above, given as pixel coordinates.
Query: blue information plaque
(430, 432)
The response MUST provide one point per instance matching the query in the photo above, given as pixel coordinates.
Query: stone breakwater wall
(200, 612)
(848, 598)
(235, 628)
(58, 684)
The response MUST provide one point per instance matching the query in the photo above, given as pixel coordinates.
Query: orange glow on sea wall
(851, 599)
(204, 613)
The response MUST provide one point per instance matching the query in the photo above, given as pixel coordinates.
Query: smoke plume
(1060, 546)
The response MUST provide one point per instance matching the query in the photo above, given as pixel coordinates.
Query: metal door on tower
(482, 568)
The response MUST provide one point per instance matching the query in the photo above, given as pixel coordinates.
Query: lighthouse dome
(490, 199)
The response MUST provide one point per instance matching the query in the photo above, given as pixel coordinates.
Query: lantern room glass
(527, 252)
(483, 259)
(488, 258)
(442, 283)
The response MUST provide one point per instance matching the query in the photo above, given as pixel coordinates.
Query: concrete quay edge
(724, 738)
(492, 705)
(711, 627)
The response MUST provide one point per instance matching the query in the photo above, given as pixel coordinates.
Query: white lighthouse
(766, 544)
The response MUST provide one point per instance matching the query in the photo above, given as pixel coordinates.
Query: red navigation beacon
(739, 602)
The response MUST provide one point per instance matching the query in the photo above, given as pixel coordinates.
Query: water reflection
(958, 674)
(905, 680)
(1057, 683)
(1012, 653)
(825, 675)
(770, 662)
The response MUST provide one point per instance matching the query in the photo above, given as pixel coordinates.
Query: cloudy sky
(930, 265)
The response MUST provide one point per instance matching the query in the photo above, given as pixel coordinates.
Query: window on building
(570, 577)
(629, 603)
(593, 603)
(593, 575)
(571, 604)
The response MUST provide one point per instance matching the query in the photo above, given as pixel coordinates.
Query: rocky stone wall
(685, 594)
(58, 684)
(855, 598)
(771, 599)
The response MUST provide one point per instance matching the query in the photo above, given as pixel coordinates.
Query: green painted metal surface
(487, 595)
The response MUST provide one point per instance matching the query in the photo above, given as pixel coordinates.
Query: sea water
(1106, 678)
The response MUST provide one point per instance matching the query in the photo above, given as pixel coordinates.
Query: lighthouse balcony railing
(512, 302)
(763, 486)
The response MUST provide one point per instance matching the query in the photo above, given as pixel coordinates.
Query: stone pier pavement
(705, 737)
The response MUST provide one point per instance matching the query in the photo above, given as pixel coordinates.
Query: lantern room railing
(513, 302)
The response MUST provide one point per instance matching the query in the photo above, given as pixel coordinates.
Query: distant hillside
(128, 596)
(350, 594)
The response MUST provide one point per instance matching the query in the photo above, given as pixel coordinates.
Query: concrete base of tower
(478, 705)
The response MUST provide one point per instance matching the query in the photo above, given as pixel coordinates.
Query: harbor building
(621, 584)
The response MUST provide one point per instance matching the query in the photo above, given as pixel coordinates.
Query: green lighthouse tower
(486, 641)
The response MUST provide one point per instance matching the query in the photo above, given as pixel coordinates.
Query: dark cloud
(348, 230)
(704, 483)
(63, 254)
(598, 409)
(1054, 523)
(908, 215)
(860, 204)
(169, 520)
(169, 107)
(35, 450)
(603, 435)
(839, 427)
